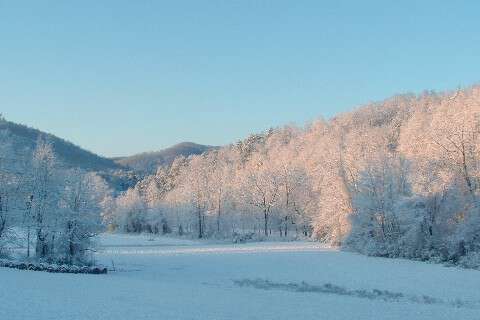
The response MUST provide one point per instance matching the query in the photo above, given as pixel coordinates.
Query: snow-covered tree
(44, 197)
(261, 189)
(82, 204)
(8, 192)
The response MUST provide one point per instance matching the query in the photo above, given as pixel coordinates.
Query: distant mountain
(148, 162)
(23, 140)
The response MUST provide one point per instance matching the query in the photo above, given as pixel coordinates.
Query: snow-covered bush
(381, 192)
(53, 268)
(389, 221)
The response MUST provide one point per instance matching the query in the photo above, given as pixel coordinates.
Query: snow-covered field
(181, 279)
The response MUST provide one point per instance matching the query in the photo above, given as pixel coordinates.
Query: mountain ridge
(24, 139)
(148, 162)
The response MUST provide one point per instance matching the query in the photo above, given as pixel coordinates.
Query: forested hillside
(149, 162)
(24, 139)
(396, 178)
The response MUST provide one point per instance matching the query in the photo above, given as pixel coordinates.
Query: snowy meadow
(165, 278)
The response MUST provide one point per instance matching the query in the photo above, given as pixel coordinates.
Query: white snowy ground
(181, 279)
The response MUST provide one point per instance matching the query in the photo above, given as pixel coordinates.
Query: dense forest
(397, 178)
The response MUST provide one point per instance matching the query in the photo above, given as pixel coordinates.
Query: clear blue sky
(120, 77)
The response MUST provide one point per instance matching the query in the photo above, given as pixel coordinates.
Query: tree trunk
(28, 243)
(71, 250)
(200, 224)
(219, 209)
(41, 248)
(466, 174)
(3, 222)
(265, 214)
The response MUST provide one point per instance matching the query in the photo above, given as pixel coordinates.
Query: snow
(167, 278)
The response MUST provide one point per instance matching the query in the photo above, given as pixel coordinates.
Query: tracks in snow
(328, 288)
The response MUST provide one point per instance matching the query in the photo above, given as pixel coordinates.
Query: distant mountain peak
(148, 162)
